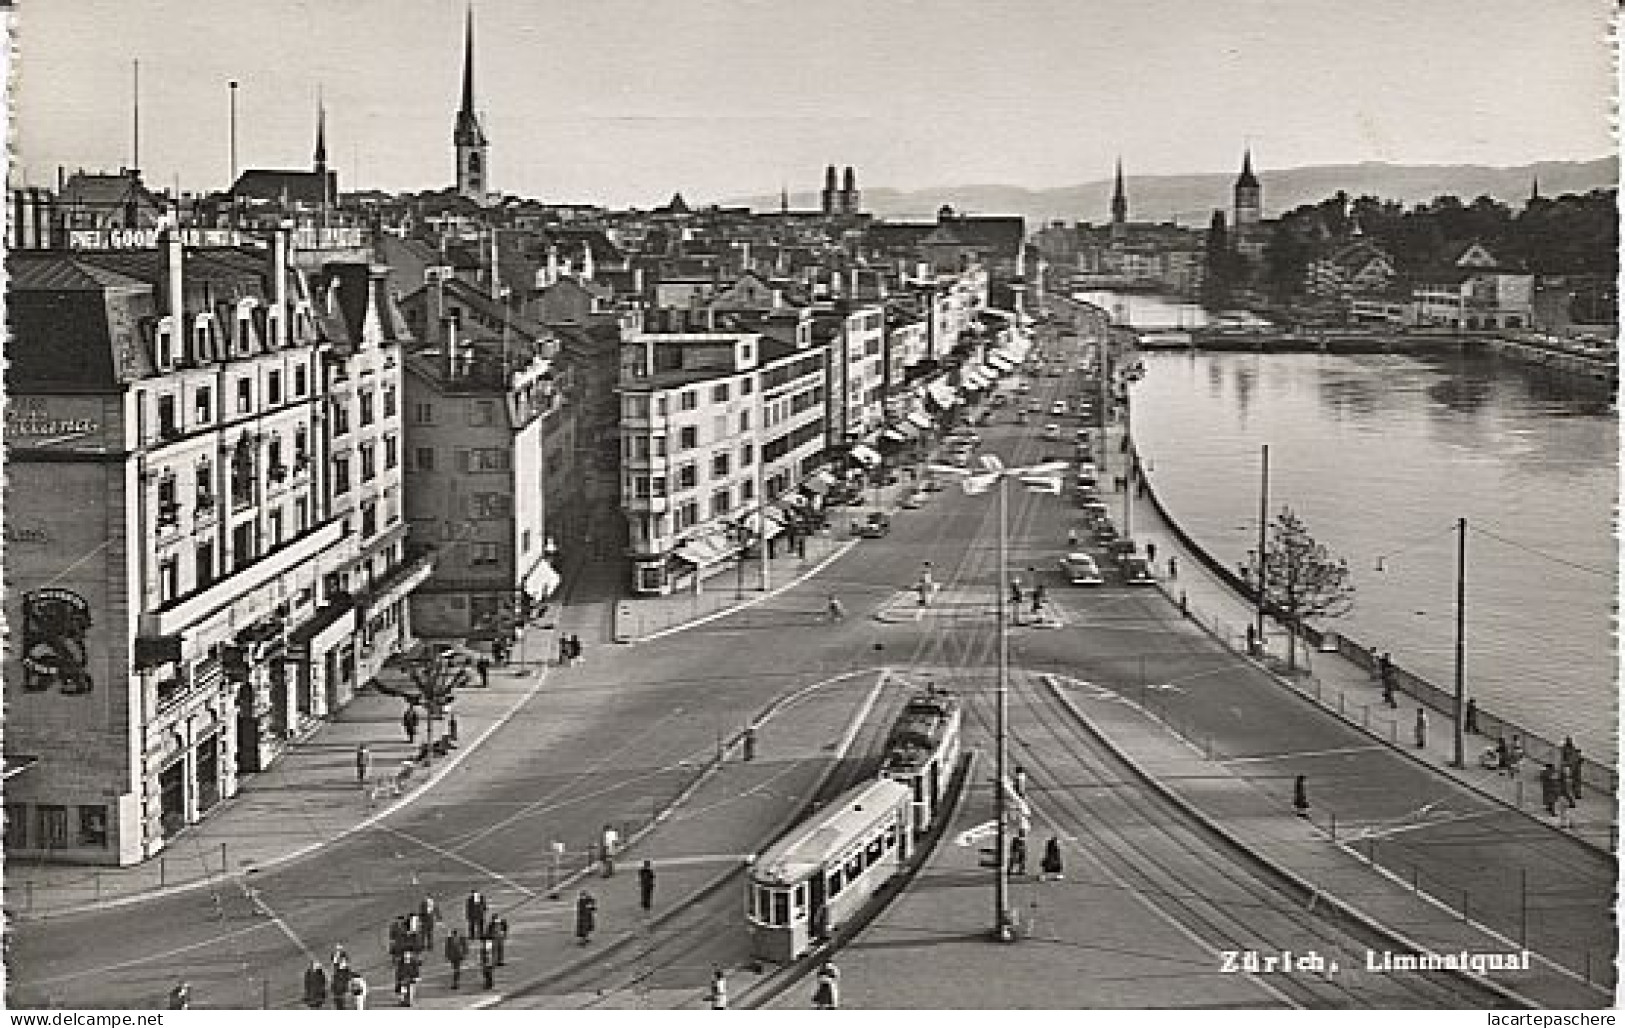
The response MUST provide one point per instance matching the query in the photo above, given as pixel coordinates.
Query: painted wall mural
(55, 622)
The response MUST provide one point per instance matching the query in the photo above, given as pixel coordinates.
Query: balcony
(395, 585)
(239, 583)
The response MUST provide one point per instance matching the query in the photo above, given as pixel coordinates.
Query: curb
(1299, 884)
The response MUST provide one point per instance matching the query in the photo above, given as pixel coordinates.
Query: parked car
(1052, 431)
(1137, 571)
(874, 526)
(1093, 507)
(1105, 531)
(1121, 550)
(912, 501)
(1081, 569)
(1058, 408)
(931, 485)
(1024, 387)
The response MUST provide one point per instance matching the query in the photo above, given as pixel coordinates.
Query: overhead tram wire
(1599, 572)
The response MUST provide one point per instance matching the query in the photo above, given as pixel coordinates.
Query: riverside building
(181, 558)
(717, 432)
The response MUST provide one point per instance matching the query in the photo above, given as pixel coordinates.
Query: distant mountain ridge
(1192, 199)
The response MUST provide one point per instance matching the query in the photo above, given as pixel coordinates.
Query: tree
(1301, 578)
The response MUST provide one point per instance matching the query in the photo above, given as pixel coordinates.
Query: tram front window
(801, 899)
(781, 907)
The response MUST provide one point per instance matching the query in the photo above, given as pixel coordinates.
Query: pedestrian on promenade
(1038, 598)
(1021, 781)
(488, 963)
(397, 938)
(408, 970)
(456, 953)
(750, 743)
(586, 916)
(356, 993)
(497, 932)
(315, 986)
(409, 722)
(1071, 538)
(1015, 593)
(1565, 804)
(474, 911)
(180, 997)
(1549, 779)
(1051, 864)
(429, 913)
(608, 843)
(363, 764)
(1388, 684)
(719, 988)
(1572, 764)
(1374, 664)
(1503, 755)
(1515, 755)
(1018, 856)
(1252, 640)
(575, 649)
(338, 982)
(1151, 554)
(451, 729)
(1300, 796)
(564, 650)
(836, 613)
(1421, 727)
(483, 667)
(499, 651)
(827, 993)
(1173, 567)
(1470, 725)
(646, 886)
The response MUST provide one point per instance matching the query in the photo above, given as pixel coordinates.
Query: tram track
(1217, 893)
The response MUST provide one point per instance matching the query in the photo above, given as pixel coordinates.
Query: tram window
(759, 905)
(781, 907)
(919, 789)
(891, 836)
(877, 849)
(854, 866)
(834, 884)
(801, 899)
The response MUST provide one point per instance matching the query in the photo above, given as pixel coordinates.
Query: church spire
(320, 161)
(1119, 198)
(1247, 178)
(468, 136)
(468, 64)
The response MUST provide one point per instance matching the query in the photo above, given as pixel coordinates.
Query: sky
(623, 102)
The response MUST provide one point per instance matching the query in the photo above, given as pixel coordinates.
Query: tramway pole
(1461, 635)
(1001, 882)
(1263, 528)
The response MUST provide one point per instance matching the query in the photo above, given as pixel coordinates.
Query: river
(1380, 454)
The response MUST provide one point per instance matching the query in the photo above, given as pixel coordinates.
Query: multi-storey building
(482, 403)
(170, 537)
(716, 430)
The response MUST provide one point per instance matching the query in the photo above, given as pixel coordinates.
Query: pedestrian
(1252, 640)
(1387, 673)
(1015, 593)
(428, 913)
(1151, 553)
(575, 649)
(1565, 804)
(1573, 762)
(1421, 727)
(836, 613)
(564, 650)
(474, 911)
(719, 988)
(646, 886)
(499, 650)
(1549, 777)
(409, 722)
(339, 981)
(1072, 538)
(488, 963)
(1018, 856)
(363, 764)
(315, 986)
(586, 916)
(827, 993)
(357, 993)
(1300, 796)
(1173, 567)
(397, 938)
(1051, 864)
(1503, 755)
(497, 931)
(180, 997)
(1374, 664)
(1471, 725)
(451, 728)
(1515, 755)
(1021, 781)
(1038, 598)
(607, 843)
(750, 742)
(456, 953)
(483, 667)
(407, 972)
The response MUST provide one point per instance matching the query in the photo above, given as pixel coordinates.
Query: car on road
(999, 399)
(872, 527)
(962, 437)
(1105, 531)
(1058, 408)
(912, 501)
(1137, 571)
(1121, 550)
(1052, 431)
(1081, 569)
(1093, 506)
(1024, 387)
(931, 485)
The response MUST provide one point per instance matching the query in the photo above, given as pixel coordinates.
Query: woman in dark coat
(1051, 864)
(586, 916)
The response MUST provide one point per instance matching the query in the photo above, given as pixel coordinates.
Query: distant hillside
(1191, 199)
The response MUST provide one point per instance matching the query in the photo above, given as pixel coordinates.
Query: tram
(825, 869)
(922, 751)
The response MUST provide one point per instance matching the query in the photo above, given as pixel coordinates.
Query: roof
(1247, 180)
(75, 326)
(919, 730)
(823, 837)
(274, 186)
(1000, 233)
(106, 191)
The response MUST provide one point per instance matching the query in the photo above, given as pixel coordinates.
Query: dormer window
(165, 355)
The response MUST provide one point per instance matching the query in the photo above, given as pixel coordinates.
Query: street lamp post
(1461, 634)
(1263, 527)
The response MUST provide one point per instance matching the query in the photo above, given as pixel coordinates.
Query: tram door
(935, 793)
(817, 909)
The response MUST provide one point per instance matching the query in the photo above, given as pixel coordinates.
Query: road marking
(489, 872)
(839, 552)
(257, 901)
(1286, 754)
(972, 836)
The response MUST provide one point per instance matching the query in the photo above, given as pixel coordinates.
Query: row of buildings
(264, 440)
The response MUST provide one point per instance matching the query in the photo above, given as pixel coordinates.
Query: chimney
(173, 295)
(448, 333)
(279, 285)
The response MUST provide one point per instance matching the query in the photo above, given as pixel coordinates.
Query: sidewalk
(1338, 684)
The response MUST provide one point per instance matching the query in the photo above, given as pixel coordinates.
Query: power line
(1599, 572)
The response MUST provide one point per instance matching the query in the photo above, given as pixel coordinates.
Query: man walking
(474, 911)
(497, 932)
(456, 953)
(488, 963)
(409, 722)
(646, 886)
(1572, 764)
(428, 914)
(483, 666)
(586, 917)
(363, 764)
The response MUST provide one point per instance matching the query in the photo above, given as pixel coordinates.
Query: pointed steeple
(1534, 188)
(320, 161)
(1119, 198)
(469, 132)
(784, 198)
(1247, 178)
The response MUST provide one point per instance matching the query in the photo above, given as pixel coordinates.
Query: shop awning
(942, 394)
(896, 435)
(703, 551)
(866, 454)
(920, 419)
(765, 524)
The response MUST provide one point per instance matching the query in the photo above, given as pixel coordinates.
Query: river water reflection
(1380, 454)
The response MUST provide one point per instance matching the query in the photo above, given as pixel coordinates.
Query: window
(781, 907)
(245, 396)
(423, 413)
(169, 579)
(854, 866)
(167, 426)
(341, 417)
(273, 387)
(389, 402)
(424, 458)
(93, 826)
(275, 526)
(719, 393)
(369, 463)
(482, 412)
(301, 448)
(169, 508)
(657, 487)
(719, 465)
(747, 454)
(687, 477)
(204, 489)
(747, 491)
(53, 827)
(301, 514)
(744, 421)
(688, 515)
(721, 500)
(273, 459)
(203, 400)
(205, 563)
(484, 554)
(366, 407)
(301, 382)
(636, 406)
(688, 437)
(746, 385)
(688, 400)
(489, 458)
(833, 884)
(659, 446)
(391, 454)
(242, 546)
(16, 826)
(369, 519)
(488, 505)
(341, 475)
